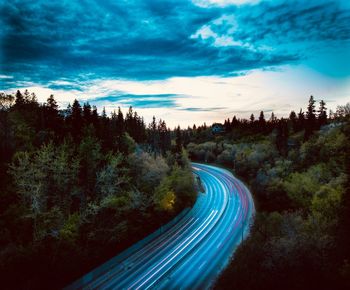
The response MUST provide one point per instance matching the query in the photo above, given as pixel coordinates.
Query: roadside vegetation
(298, 172)
(78, 187)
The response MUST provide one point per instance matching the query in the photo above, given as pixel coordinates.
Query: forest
(78, 187)
(298, 171)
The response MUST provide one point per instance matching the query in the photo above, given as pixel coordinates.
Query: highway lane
(191, 253)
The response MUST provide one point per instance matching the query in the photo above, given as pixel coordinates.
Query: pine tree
(234, 122)
(104, 130)
(19, 99)
(163, 136)
(120, 123)
(51, 114)
(153, 135)
(51, 103)
(76, 120)
(27, 97)
(310, 114)
(301, 120)
(227, 125)
(262, 122)
(322, 113)
(310, 118)
(178, 140)
(293, 120)
(252, 118)
(87, 113)
(273, 118)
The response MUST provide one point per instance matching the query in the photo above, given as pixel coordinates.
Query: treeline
(298, 171)
(77, 187)
(307, 122)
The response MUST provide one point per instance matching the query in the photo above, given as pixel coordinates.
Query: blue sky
(185, 61)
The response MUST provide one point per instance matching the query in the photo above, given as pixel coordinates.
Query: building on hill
(217, 128)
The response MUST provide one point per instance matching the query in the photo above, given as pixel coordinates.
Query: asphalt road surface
(192, 251)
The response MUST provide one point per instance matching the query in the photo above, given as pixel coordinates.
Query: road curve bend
(189, 252)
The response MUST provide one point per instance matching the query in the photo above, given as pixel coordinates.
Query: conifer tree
(310, 118)
(19, 101)
(76, 120)
(293, 120)
(252, 118)
(178, 140)
(51, 103)
(87, 113)
(322, 113)
(262, 121)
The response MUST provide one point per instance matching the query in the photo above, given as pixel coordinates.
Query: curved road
(193, 250)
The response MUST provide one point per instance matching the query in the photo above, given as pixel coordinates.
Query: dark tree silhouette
(178, 140)
(322, 114)
(76, 120)
(87, 113)
(252, 118)
(262, 121)
(19, 100)
(310, 124)
(301, 120)
(294, 121)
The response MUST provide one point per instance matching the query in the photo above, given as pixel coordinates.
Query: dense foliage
(298, 171)
(78, 187)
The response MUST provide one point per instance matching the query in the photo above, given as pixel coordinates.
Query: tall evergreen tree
(153, 135)
(163, 136)
(262, 121)
(19, 101)
(178, 140)
(310, 118)
(252, 118)
(273, 118)
(51, 103)
(87, 113)
(293, 120)
(76, 120)
(27, 97)
(51, 114)
(322, 113)
(227, 125)
(310, 114)
(120, 123)
(234, 122)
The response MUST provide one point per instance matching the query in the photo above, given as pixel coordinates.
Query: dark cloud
(288, 26)
(42, 41)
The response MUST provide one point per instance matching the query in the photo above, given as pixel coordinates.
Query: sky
(183, 61)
